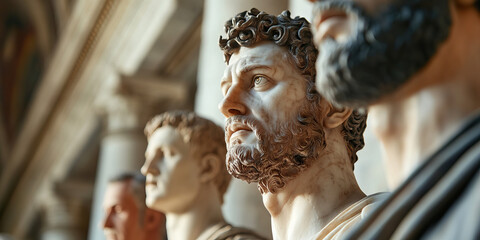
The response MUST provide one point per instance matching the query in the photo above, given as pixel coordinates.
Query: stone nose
(232, 104)
(107, 221)
(149, 167)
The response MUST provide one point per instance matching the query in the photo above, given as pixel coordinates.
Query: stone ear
(210, 167)
(336, 116)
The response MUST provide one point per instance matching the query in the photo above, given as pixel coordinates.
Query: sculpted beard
(280, 155)
(384, 52)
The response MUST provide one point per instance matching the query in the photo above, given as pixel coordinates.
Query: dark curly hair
(250, 27)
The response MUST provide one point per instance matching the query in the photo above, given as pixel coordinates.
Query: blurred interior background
(78, 82)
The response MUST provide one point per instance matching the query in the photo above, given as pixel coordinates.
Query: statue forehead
(117, 192)
(262, 53)
(165, 136)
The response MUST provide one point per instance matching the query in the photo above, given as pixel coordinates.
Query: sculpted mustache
(250, 122)
(384, 52)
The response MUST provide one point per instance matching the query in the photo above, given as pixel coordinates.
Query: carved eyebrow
(224, 81)
(252, 67)
(244, 71)
(226, 78)
(155, 154)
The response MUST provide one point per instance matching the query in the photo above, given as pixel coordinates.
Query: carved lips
(237, 130)
(150, 183)
(151, 187)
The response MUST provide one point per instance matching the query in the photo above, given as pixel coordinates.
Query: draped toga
(439, 200)
(346, 219)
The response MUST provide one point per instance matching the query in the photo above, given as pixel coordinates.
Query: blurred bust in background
(126, 215)
(414, 64)
(187, 177)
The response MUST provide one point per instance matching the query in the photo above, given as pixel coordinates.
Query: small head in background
(185, 157)
(126, 215)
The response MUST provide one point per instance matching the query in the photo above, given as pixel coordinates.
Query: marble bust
(187, 177)
(284, 135)
(126, 215)
(414, 65)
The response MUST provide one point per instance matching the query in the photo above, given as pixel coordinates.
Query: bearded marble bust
(281, 133)
(414, 64)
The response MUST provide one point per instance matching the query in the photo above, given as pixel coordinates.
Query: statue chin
(281, 153)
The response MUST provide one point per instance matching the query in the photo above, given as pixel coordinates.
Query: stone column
(125, 109)
(301, 8)
(121, 150)
(243, 205)
(64, 210)
(61, 221)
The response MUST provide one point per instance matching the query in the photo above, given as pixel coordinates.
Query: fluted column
(122, 147)
(125, 108)
(60, 220)
(243, 205)
(64, 215)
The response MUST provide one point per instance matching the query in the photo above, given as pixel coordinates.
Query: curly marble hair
(250, 27)
(204, 136)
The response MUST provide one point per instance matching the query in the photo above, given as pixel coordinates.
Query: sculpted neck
(422, 115)
(412, 129)
(311, 200)
(190, 224)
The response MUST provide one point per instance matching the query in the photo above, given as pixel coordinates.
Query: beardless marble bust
(284, 135)
(126, 215)
(187, 177)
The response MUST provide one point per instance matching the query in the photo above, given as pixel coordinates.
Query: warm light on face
(262, 82)
(121, 220)
(171, 171)
(264, 93)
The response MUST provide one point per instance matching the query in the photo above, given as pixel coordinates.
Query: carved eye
(260, 82)
(172, 152)
(159, 154)
(118, 209)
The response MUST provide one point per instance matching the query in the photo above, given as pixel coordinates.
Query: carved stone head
(184, 152)
(370, 49)
(126, 216)
(274, 127)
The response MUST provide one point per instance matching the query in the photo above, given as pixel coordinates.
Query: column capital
(129, 102)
